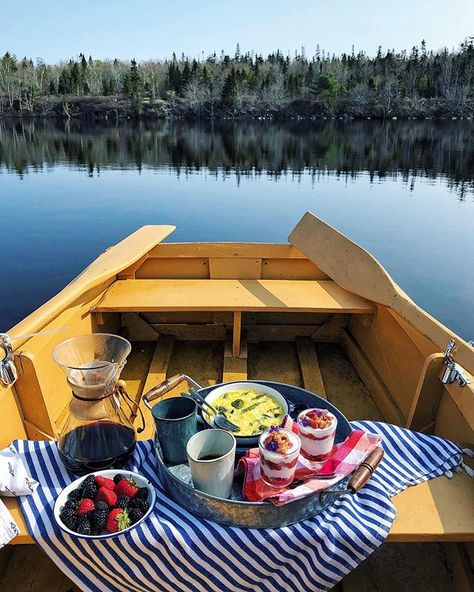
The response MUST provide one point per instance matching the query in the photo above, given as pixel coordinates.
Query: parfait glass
(317, 430)
(279, 449)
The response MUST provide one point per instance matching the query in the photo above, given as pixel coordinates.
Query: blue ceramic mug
(175, 423)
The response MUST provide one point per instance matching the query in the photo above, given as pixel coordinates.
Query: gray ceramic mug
(175, 423)
(211, 458)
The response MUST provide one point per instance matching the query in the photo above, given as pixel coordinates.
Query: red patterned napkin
(346, 457)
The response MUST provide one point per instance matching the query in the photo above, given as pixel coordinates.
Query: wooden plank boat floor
(389, 569)
(274, 360)
(28, 568)
(202, 360)
(407, 567)
(343, 386)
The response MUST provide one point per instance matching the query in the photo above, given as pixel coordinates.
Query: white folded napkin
(14, 481)
(8, 528)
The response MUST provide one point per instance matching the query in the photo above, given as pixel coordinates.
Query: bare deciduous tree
(388, 95)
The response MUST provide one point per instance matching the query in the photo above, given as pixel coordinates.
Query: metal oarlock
(453, 371)
(8, 371)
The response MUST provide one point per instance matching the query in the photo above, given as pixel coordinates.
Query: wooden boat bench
(231, 295)
(438, 510)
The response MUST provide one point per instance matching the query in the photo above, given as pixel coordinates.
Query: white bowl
(244, 386)
(110, 473)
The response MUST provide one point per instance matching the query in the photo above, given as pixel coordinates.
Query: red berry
(126, 487)
(104, 482)
(86, 505)
(117, 520)
(106, 495)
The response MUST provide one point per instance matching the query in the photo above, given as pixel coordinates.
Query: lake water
(403, 190)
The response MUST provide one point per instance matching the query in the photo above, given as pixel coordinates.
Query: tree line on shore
(379, 149)
(418, 83)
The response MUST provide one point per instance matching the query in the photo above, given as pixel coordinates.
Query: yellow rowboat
(318, 312)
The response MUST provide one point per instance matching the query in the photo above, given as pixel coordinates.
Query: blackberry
(90, 491)
(73, 504)
(142, 493)
(75, 495)
(122, 501)
(99, 517)
(141, 504)
(118, 477)
(83, 525)
(135, 514)
(88, 480)
(69, 518)
(89, 487)
(102, 505)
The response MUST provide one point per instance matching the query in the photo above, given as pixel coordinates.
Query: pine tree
(9, 62)
(229, 89)
(204, 78)
(185, 76)
(64, 85)
(75, 79)
(174, 78)
(135, 81)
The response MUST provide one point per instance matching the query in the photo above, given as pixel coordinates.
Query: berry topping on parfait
(278, 441)
(318, 419)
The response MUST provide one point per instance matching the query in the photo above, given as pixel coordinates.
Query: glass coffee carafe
(98, 433)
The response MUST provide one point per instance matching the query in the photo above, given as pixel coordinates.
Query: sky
(56, 30)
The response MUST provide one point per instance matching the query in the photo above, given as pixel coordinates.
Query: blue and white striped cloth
(176, 551)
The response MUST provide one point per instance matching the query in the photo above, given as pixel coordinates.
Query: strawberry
(104, 482)
(126, 487)
(117, 520)
(106, 495)
(86, 505)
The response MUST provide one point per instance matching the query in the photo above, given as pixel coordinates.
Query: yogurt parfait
(279, 451)
(317, 429)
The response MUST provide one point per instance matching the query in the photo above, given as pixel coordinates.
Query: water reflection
(394, 149)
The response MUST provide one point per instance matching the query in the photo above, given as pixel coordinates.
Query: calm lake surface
(403, 190)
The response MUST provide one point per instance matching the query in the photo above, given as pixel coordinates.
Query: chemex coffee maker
(98, 433)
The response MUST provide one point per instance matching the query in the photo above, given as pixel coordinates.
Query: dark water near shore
(404, 190)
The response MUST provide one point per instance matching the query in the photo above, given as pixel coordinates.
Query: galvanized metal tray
(236, 510)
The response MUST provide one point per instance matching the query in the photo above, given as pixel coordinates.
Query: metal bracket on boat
(453, 371)
(8, 371)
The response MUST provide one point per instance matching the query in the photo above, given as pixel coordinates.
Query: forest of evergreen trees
(418, 83)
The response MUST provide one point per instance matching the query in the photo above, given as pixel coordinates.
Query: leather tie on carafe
(119, 388)
(93, 407)
(87, 408)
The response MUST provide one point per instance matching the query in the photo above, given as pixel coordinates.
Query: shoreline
(104, 108)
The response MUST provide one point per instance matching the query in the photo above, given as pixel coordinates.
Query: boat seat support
(236, 334)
